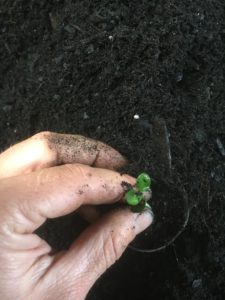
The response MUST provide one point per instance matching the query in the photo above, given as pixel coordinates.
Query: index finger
(28, 200)
(48, 149)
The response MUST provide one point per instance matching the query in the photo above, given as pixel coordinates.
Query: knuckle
(73, 169)
(113, 248)
(77, 170)
(43, 135)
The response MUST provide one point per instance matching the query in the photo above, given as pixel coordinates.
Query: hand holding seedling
(48, 176)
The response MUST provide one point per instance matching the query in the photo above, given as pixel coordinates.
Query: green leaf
(133, 198)
(143, 181)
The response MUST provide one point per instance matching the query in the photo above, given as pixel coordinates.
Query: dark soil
(88, 67)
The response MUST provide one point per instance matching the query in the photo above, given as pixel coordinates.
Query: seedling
(138, 196)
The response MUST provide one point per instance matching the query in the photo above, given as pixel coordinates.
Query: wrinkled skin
(51, 175)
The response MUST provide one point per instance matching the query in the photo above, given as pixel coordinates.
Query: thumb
(97, 249)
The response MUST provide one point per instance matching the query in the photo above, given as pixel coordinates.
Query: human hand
(48, 176)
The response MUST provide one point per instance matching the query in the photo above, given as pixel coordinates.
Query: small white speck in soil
(136, 117)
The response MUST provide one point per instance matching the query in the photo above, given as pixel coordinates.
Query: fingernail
(144, 220)
(129, 179)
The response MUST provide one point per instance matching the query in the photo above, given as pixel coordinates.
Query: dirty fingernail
(129, 179)
(144, 220)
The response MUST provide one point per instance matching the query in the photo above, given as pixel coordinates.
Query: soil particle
(197, 283)
(105, 187)
(126, 186)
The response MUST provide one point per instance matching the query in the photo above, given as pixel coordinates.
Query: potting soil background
(88, 67)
